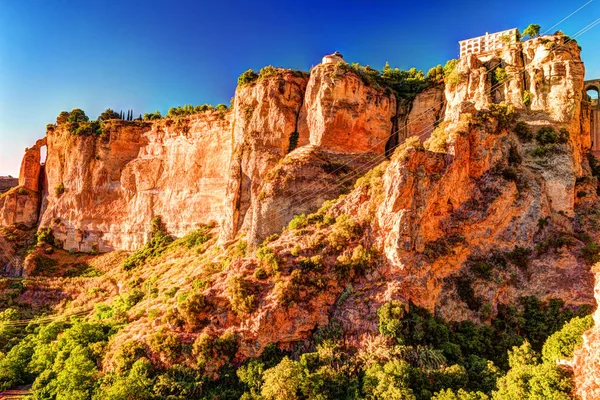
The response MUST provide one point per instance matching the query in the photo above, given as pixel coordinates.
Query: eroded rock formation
(586, 363)
(103, 191)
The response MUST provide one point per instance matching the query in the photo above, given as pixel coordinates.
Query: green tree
(561, 345)
(390, 381)
(108, 114)
(77, 380)
(436, 74)
(283, 381)
(461, 394)
(247, 77)
(62, 117)
(77, 115)
(532, 30)
(528, 379)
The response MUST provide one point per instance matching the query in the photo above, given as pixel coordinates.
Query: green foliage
(247, 78)
(519, 256)
(44, 236)
(405, 84)
(62, 118)
(165, 343)
(59, 189)
(195, 238)
(345, 229)
(533, 30)
(192, 304)
(547, 135)
(158, 243)
(239, 291)
(504, 113)
(294, 136)
(108, 114)
(152, 116)
(298, 222)
(76, 116)
(451, 75)
(390, 381)
(436, 74)
(189, 109)
(350, 266)
(283, 381)
(499, 75)
(530, 379)
(461, 394)
(561, 345)
(390, 317)
(523, 132)
(591, 252)
(527, 98)
(443, 246)
(268, 259)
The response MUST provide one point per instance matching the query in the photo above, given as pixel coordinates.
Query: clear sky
(61, 54)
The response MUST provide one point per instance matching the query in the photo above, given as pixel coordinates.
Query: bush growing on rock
(152, 116)
(547, 135)
(562, 344)
(247, 77)
(523, 132)
(158, 243)
(532, 30)
(241, 300)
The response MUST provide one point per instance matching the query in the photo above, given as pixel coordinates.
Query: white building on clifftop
(333, 58)
(489, 42)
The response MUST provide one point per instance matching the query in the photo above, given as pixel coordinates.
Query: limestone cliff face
(266, 124)
(20, 205)
(484, 191)
(550, 72)
(586, 363)
(343, 114)
(426, 112)
(112, 186)
(340, 125)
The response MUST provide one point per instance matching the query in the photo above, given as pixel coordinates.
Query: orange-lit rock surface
(343, 114)
(116, 183)
(266, 129)
(586, 363)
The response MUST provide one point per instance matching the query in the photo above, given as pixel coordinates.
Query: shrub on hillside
(562, 344)
(240, 297)
(547, 135)
(158, 243)
(523, 132)
(247, 77)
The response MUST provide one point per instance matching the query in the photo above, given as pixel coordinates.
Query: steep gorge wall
(477, 189)
(116, 183)
(586, 363)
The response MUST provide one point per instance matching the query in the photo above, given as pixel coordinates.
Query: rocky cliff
(291, 141)
(586, 364)
(496, 205)
(103, 191)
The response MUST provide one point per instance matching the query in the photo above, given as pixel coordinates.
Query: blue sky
(60, 54)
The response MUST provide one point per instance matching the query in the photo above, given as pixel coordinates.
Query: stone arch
(594, 89)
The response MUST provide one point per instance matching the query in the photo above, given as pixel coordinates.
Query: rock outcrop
(103, 191)
(266, 129)
(7, 183)
(586, 363)
(343, 114)
(20, 205)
